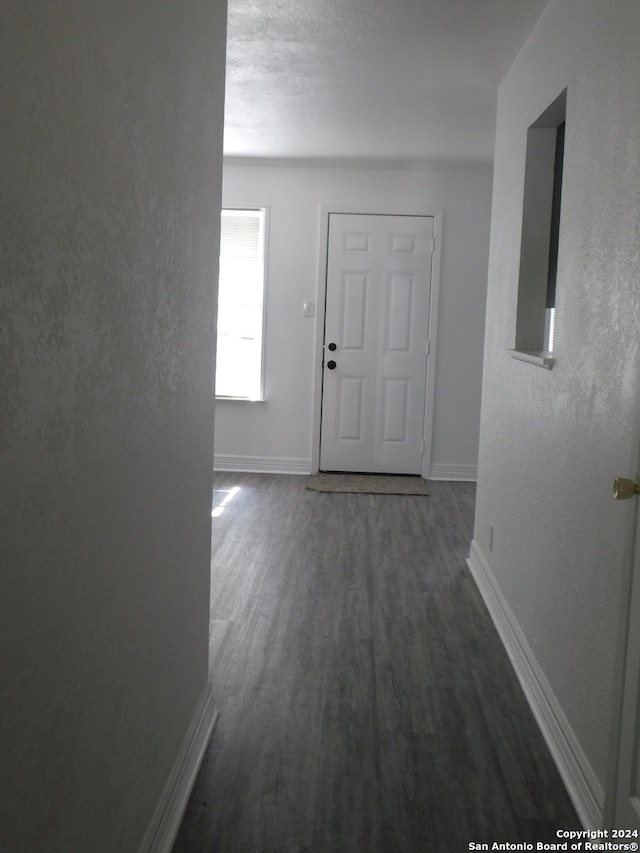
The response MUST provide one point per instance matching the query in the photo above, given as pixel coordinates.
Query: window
(554, 239)
(535, 323)
(239, 356)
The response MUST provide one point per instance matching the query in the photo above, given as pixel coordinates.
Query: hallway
(366, 703)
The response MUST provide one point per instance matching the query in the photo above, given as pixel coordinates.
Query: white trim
(459, 473)
(222, 399)
(582, 785)
(540, 359)
(631, 565)
(261, 464)
(164, 825)
(379, 209)
(432, 339)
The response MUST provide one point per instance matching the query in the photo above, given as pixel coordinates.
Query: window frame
(264, 211)
(539, 243)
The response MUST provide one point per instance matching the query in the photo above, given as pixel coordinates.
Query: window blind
(240, 236)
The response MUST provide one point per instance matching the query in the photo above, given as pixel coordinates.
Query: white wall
(278, 434)
(552, 442)
(111, 153)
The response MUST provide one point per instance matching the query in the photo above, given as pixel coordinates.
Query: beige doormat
(368, 484)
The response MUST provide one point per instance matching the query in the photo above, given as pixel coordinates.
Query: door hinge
(428, 347)
(422, 448)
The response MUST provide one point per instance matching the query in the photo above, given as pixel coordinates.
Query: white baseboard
(261, 464)
(460, 473)
(582, 785)
(161, 832)
(293, 465)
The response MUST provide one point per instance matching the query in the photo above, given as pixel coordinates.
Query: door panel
(399, 305)
(357, 242)
(349, 418)
(377, 315)
(396, 410)
(353, 331)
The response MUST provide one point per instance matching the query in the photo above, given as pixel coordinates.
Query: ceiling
(375, 79)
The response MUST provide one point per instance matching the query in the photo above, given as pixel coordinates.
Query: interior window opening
(540, 244)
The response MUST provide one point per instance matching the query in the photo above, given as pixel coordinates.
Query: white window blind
(240, 235)
(239, 359)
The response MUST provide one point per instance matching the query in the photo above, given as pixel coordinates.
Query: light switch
(307, 308)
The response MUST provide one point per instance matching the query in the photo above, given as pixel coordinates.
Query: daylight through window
(239, 357)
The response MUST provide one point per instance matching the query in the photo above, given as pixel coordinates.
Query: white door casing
(623, 811)
(379, 270)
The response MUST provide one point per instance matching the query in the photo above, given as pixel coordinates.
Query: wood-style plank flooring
(366, 703)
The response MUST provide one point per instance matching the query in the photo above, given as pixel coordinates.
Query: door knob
(333, 347)
(624, 489)
(331, 365)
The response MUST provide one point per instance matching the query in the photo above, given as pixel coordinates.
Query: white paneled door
(376, 343)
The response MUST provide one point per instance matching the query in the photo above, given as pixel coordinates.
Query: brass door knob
(624, 489)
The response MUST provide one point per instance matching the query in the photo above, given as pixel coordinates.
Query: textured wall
(552, 442)
(110, 151)
(282, 427)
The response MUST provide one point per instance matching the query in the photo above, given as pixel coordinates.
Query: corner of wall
(582, 785)
(165, 822)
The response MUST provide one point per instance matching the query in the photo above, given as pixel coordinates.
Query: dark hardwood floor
(366, 703)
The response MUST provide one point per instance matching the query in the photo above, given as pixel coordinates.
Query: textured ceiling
(403, 79)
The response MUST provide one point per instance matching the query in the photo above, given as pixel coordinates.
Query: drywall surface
(281, 428)
(552, 442)
(403, 79)
(111, 177)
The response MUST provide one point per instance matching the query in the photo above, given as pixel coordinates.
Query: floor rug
(368, 484)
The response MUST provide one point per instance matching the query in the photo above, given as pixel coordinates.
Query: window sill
(540, 359)
(243, 399)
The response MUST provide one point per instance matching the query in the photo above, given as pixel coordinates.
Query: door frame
(624, 659)
(366, 209)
